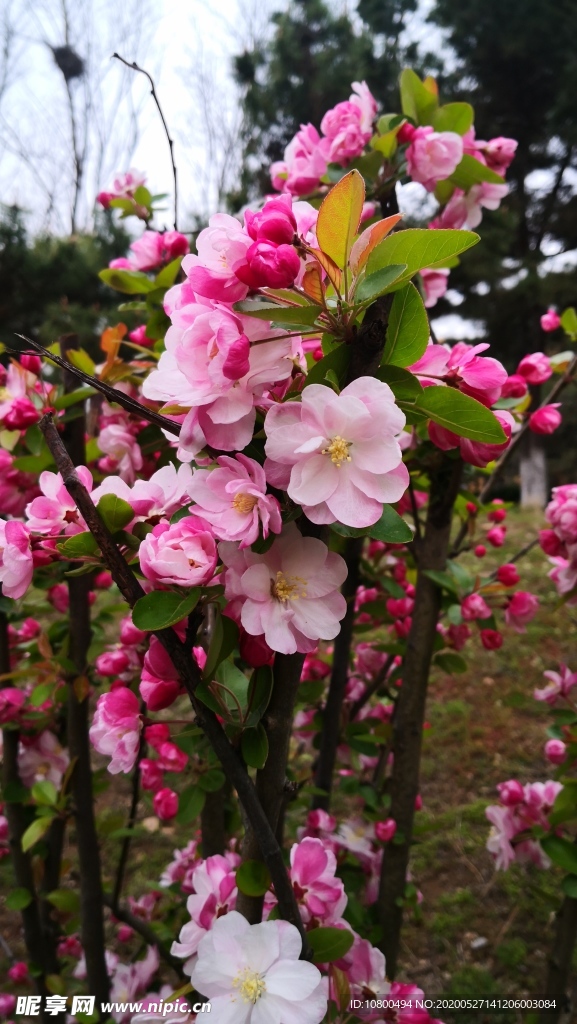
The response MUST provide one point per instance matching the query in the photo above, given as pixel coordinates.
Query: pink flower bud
(475, 607)
(151, 774)
(514, 387)
(535, 368)
(21, 414)
(385, 830)
(497, 515)
(274, 223)
(7, 1004)
(550, 543)
(124, 933)
(522, 609)
(159, 694)
(491, 639)
(545, 420)
(31, 363)
(165, 804)
(507, 574)
(471, 508)
(18, 972)
(510, 793)
(112, 663)
(171, 757)
(480, 551)
(555, 751)
(103, 580)
(418, 802)
(550, 320)
(270, 265)
(156, 734)
(129, 634)
(496, 536)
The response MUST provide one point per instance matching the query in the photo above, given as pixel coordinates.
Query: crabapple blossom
(338, 455)
(434, 284)
(560, 685)
(123, 187)
(433, 156)
(42, 757)
(319, 893)
(535, 368)
(153, 249)
(221, 248)
(151, 774)
(55, 512)
(521, 609)
(16, 488)
(233, 499)
(550, 320)
(252, 974)
(475, 607)
(16, 563)
(116, 728)
(545, 420)
(182, 554)
(510, 835)
(507, 574)
(165, 804)
(11, 703)
(290, 594)
(555, 751)
(510, 793)
(491, 639)
(514, 387)
(479, 551)
(385, 830)
(496, 536)
(463, 366)
(215, 892)
(122, 451)
(303, 165)
(476, 453)
(499, 153)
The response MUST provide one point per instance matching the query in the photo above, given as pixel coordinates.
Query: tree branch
(143, 929)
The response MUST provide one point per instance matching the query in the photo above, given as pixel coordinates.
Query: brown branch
(146, 932)
(189, 672)
(132, 814)
(371, 689)
(135, 67)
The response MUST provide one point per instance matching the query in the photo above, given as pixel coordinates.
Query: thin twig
(135, 67)
(190, 674)
(123, 859)
(371, 688)
(143, 929)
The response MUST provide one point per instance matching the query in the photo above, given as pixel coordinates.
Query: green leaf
(41, 693)
(419, 248)
(212, 781)
(442, 579)
(561, 852)
(252, 878)
(568, 885)
(18, 899)
(190, 804)
(130, 282)
(305, 315)
(565, 806)
(45, 792)
(223, 642)
(569, 322)
(162, 608)
(391, 528)
(472, 172)
(338, 360)
(80, 358)
(376, 284)
(451, 663)
(329, 944)
(66, 900)
(404, 385)
(408, 330)
(453, 117)
(461, 414)
(115, 512)
(254, 746)
(35, 831)
(416, 100)
(340, 216)
(80, 545)
(168, 275)
(236, 692)
(79, 395)
(259, 694)
(157, 325)
(34, 463)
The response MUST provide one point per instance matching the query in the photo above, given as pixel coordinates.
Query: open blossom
(535, 368)
(545, 420)
(182, 554)
(16, 565)
(435, 283)
(233, 499)
(521, 609)
(559, 684)
(508, 839)
(290, 595)
(303, 165)
(152, 249)
(475, 607)
(463, 366)
(433, 156)
(466, 208)
(11, 703)
(16, 488)
(123, 187)
(215, 892)
(17, 410)
(163, 494)
(116, 727)
(55, 511)
(319, 893)
(42, 758)
(252, 974)
(122, 450)
(221, 247)
(338, 455)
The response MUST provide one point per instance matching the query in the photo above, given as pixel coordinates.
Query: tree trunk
(560, 961)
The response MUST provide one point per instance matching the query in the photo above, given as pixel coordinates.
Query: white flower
(252, 974)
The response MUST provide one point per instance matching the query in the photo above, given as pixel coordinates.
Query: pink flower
(112, 663)
(115, 730)
(475, 607)
(16, 565)
(507, 574)
(123, 187)
(221, 248)
(275, 222)
(476, 453)
(555, 751)
(514, 387)
(466, 208)
(183, 554)
(535, 368)
(123, 451)
(151, 774)
(214, 883)
(289, 594)
(499, 153)
(42, 758)
(320, 894)
(269, 265)
(363, 98)
(11, 703)
(385, 830)
(160, 683)
(462, 366)
(550, 320)
(496, 536)
(252, 974)
(55, 512)
(7, 1004)
(165, 804)
(499, 841)
(16, 488)
(18, 972)
(479, 551)
(338, 455)
(561, 513)
(153, 249)
(434, 284)
(522, 609)
(171, 757)
(491, 639)
(344, 139)
(234, 501)
(511, 793)
(304, 163)
(560, 685)
(545, 420)
(433, 156)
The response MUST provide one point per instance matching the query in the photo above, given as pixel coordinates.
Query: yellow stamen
(244, 503)
(251, 986)
(285, 587)
(338, 450)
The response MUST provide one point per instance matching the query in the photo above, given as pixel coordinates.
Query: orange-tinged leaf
(110, 341)
(430, 83)
(312, 283)
(333, 272)
(370, 237)
(340, 216)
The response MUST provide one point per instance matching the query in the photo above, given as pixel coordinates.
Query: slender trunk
(212, 823)
(331, 729)
(560, 961)
(271, 780)
(410, 706)
(91, 894)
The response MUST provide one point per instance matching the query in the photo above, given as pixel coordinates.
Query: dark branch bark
(331, 729)
(561, 959)
(189, 672)
(122, 913)
(212, 823)
(410, 705)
